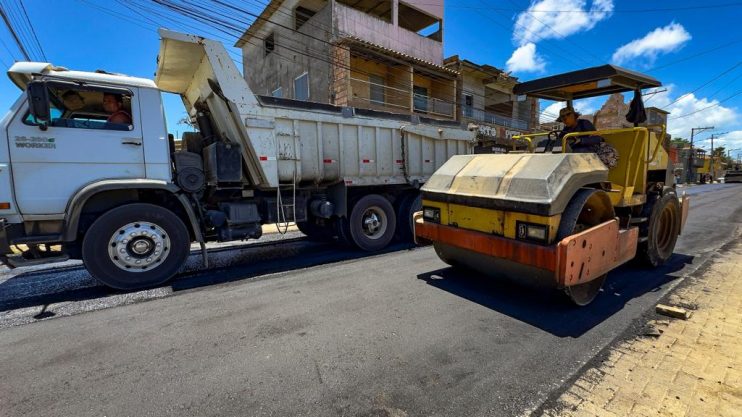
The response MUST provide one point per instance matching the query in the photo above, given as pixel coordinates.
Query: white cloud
(718, 116)
(545, 19)
(550, 113)
(732, 141)
(525, 59)
(662, 40)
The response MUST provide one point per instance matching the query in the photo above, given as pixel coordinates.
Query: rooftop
(21, 73)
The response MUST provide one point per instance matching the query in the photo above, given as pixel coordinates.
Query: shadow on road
(549, 310)
(248, 264)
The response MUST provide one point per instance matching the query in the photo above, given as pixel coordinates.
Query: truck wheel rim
(374, 222)
(138, 246)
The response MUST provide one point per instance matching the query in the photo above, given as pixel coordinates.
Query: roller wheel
(135, 246)
(587, 208)
(662, 229)
(443, 255)
(408, 205)
(372, 223)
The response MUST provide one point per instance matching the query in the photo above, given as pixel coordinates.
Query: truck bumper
(577, 259)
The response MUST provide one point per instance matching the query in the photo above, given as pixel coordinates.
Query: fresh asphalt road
(398, 334)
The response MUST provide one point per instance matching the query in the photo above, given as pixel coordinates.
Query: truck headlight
(432, 214)
(533, 232)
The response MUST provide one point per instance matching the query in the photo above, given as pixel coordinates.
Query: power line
(647, 10)
(532, 13)
(33, 32)
(728, 70)
(708, 107)
(14, 34)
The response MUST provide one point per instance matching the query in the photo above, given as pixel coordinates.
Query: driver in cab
(569, 117)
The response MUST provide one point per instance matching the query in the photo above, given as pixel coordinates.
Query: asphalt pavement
(395, 334)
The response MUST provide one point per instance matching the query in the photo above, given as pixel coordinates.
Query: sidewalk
(678, 367)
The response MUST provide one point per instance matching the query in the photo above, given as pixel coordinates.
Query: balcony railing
(487, 117)
(379, 96)
(432, 105)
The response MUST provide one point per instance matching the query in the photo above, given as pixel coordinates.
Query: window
(269, 44)
(468, 105)
(88, 109)
(301, 15)
(376, 86)
(301, 87)
(278, 92)
(420, 98)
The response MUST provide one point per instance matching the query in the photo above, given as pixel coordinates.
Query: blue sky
(684, 43)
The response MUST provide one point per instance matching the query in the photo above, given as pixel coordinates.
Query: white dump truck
(88, 170)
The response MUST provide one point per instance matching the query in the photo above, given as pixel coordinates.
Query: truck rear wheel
(135, 246)
(314, 231)
(372, 223)
(661, 230)
(587, 208)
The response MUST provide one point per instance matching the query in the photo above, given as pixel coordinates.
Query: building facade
(485, 99)
(384, 55)
(379, 54)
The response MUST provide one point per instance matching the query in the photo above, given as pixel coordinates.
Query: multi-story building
(379, 54)
(485, 98)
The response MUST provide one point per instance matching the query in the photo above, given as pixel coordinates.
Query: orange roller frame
(577, 259)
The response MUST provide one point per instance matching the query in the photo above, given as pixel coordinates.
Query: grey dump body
(539, 184)
(287, 141)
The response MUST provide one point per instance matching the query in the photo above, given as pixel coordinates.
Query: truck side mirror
(38, 103)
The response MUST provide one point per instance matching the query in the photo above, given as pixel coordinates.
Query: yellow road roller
(554, 216)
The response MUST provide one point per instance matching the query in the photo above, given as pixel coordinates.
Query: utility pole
(15, 36)
(690, 154)
(713, 165)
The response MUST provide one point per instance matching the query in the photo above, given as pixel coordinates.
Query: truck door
(79, 146)
(7, 205)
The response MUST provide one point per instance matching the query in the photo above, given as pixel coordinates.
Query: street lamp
(690, 154)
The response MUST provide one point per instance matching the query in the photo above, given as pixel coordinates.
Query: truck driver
(113, 104)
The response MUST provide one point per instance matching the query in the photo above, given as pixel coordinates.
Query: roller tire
(571, 222)
(661, 230)
(98, 261)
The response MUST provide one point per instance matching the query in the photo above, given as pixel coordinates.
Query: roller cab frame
(551, 217)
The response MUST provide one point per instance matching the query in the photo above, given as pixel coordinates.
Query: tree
(679, 142)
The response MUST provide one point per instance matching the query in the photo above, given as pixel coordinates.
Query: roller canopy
(539, 184)
(589, 82)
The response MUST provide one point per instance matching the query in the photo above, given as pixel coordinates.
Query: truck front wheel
(135, 246)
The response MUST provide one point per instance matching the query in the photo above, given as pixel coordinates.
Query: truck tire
(372, 223)
(135, 246)
(661, 230)
(314, 231)
(409, 204)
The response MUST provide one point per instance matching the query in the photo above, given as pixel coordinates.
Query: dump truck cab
(552, 216)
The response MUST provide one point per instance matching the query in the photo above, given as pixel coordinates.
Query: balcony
(492, 118)
(355, 23)
(397, 99)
